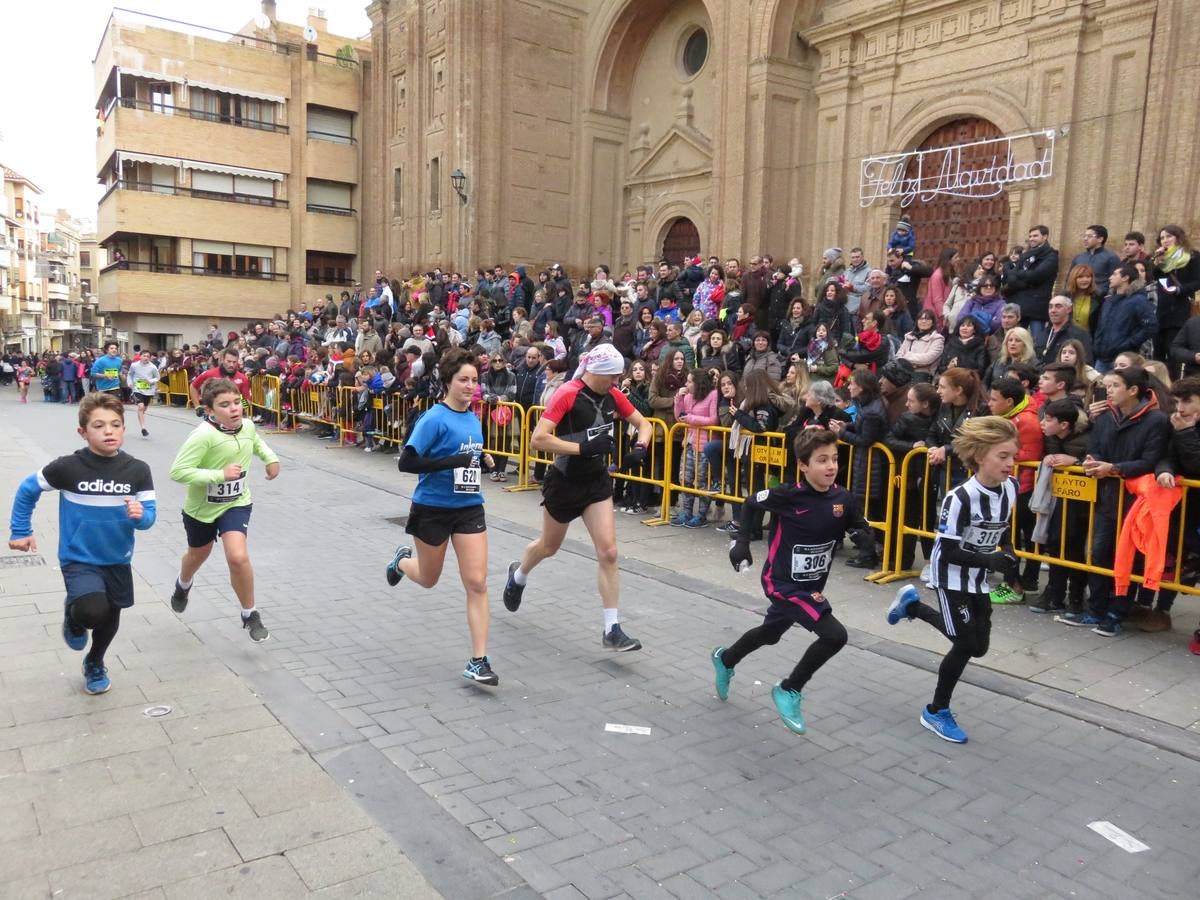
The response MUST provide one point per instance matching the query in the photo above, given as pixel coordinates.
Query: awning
(241, 92)
(203, 85)
(129, 156)
(231, 170)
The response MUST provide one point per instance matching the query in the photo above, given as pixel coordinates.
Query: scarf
(816, 349)
(1176, 259)
(674, 381)
(870, 339)
(211, 420)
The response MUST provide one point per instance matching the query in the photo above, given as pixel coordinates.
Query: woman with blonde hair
(1085, 295)
(1015, 346)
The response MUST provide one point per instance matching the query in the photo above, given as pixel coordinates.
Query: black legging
(831, 637)
(970, 641)
(103, 634)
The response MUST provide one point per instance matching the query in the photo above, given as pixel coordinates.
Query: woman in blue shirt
(445, 452)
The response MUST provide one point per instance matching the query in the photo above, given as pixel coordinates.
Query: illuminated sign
(977, 169)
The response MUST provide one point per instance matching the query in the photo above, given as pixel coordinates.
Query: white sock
(611, 617)
(246, 613)
(185, 585)
(519, 577)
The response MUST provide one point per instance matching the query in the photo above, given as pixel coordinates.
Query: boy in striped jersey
(105, 495)
(974, 536)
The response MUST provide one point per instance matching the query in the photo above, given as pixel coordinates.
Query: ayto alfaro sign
(978, 169)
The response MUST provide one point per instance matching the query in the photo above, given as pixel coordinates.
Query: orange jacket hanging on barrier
(1145, 528)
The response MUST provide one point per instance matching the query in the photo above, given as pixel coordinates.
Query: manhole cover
(397, 520)
(21, 562)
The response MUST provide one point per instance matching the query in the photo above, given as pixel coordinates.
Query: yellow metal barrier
(1072, 544)
(504, 434)
(266, 396)
(175, 384)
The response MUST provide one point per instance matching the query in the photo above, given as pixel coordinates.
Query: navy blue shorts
(201, 534)
(804, 611)
(116, 582)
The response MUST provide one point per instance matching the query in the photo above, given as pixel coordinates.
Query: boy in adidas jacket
(105, 496)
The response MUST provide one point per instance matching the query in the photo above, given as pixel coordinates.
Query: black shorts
(803, 611)
(114, 581)
(566, 499)
(147, 399)
(433, 525)
(201, 534)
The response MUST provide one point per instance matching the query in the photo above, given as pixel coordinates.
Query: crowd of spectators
(1096, 361)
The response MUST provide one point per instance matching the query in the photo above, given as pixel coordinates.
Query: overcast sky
(47, 111)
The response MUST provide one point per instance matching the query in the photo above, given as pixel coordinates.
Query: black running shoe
(253, 624)
(393, 572)
(179, 599)
(618, 640)
(512, 590)
(145, 433)
(480, 670)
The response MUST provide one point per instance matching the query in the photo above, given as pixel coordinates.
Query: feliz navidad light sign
(972, 170)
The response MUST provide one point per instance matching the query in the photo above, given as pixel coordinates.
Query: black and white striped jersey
(977, 519)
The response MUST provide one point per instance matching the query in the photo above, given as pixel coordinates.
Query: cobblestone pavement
(521, 789)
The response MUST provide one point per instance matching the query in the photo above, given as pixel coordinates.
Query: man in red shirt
(230, 368)
(580, 428)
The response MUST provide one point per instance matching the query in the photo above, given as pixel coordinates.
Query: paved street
(346, 757)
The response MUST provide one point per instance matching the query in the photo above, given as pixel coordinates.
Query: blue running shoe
(95, 678)
(905, 598)
(943, 725)
(788, 704)
(480, 671)
(695, 522)
(1109, 626)
(1079, 619)
(75, 636)
(679, 520)
(723, 674)
(393, 572)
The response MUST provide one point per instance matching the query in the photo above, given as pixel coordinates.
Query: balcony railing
(174, 269)
(202, 115)
(330, 210)
(253, 199)
(330, 136)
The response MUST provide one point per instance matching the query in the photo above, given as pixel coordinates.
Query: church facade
(614, 131)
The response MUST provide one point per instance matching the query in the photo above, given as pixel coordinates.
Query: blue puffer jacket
(1126, 322)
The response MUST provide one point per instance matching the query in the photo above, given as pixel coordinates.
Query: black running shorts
(566, 499)
(433, 525)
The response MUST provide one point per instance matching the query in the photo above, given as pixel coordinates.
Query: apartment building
(92, 258)
(22, 291)
(58, 267)
(231, 168)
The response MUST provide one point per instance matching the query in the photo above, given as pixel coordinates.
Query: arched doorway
(974, 226)
(682, 240)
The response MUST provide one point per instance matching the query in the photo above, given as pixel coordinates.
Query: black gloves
(634, 458)
(739, 555)
(1004, 563)
(863, 541)
(600, 445)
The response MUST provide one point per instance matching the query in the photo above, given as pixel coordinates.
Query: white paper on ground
(626, 729)
(1122, 839)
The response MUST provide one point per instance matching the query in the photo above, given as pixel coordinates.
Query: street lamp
(458, 181)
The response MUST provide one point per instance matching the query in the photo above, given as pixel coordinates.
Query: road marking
(1122, 839)
(627, 729)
